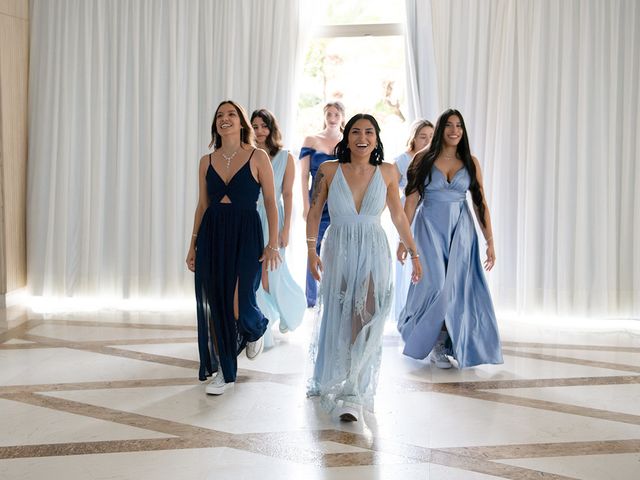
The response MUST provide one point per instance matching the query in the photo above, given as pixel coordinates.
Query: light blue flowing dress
(354, 298)
(285, 300)
(453, 289)
(403, 272)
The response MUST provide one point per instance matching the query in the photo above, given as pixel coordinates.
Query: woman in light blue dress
(279, 297)
(419, 138)
(449, 313)
(356, 286)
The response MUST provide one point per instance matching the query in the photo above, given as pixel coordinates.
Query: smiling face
(362, 138)
(260, 129)
(227, 120)
(453, 131)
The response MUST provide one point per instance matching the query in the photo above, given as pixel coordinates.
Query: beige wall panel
(8, 7)
(14, 73)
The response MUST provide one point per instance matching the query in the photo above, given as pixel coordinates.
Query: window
(357, 57)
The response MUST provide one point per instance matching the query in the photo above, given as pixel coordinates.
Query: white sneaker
(439, 357)
(254, 348)
(283, 327)
(217, 386)
(348, 413)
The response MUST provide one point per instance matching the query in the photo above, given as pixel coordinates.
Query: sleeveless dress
(228, 247)
(354, 298)
(403, 272)
(285, 300)
(315, 160)
(454, 290)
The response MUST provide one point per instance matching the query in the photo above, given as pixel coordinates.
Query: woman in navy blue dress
(317, 149)
(227, 246)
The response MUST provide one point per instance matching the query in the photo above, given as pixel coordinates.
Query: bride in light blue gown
(450, 313)
(355, 265)
(279, 297)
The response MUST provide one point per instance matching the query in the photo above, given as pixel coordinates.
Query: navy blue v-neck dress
(228, 247)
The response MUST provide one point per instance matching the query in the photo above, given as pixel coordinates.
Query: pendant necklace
(228, 158)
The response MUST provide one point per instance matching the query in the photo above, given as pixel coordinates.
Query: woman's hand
(283, 238)
(315, 264)
(491, 257)
(416, 275)
(401, 253)
(271, 258)
(191, 259)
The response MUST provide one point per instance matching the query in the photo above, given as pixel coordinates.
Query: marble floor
(115, 395)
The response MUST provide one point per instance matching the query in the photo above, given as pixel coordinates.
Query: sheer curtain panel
(122, 94)
(549, 91)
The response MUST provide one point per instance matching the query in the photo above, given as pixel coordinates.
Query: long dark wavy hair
(246, 132)
(274, 139)
(342, 151)
(421, 167)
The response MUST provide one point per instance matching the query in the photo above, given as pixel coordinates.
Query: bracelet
(271, 248)
(417, 255)
(312, 239)
(195, 235)
(487, 240)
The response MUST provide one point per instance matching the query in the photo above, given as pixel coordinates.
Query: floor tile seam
(557, 407)
(547, 450)
(145, 357)
(562, 346)
(41, 344)
(139, 326)
(488, 467)
(105, 385)
(573, 361)
(18, 330)
(104, 447)
(130, 419)
(447, 387)
(412, 453)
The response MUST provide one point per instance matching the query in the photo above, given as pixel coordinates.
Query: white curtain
(549, 91)
(122, 94)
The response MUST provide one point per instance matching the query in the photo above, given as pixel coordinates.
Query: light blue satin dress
(453, 290)
(285, 302)
(354, 298)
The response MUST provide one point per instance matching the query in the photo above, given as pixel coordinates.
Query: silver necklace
(228, 158)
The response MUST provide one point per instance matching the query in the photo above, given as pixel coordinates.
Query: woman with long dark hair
(227, 246)
(355, 289)
(279, 296)
(449, 313)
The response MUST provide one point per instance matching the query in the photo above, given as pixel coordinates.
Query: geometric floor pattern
(110, 395)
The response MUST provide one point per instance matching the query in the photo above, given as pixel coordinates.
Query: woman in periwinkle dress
(450, 311)
(315, 150)
(420, 136)
(279, 296)
(356, 287)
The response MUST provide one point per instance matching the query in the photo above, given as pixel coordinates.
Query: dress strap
(210, 164)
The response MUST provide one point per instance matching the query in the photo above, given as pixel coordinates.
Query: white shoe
(217, 386)
(348, 413)
(283, 327)
(254, 348)
(439, 357)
